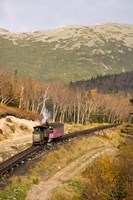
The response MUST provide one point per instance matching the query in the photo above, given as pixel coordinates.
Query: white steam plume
(45, 114)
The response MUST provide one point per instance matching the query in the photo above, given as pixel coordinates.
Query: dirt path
(43, 190)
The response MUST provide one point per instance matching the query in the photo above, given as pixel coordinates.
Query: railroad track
(17, 159)
(9, 164)
(86, 132)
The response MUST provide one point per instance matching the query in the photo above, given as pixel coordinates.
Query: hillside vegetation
(122, 82)
(64, 102)
(108, 178)
(17, 112)
(68, 53)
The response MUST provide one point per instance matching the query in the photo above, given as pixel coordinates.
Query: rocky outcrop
(15, 136)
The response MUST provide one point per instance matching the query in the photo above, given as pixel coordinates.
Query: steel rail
(86, 132)
(18, 158)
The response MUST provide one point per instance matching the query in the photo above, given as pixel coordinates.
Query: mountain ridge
(68, 53)
(66, 26)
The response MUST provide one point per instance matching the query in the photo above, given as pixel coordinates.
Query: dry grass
(127, 128)
(69, 128)
(17, 112)
(66, 193)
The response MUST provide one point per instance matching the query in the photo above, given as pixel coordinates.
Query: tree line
(64, 102)
(109, 83)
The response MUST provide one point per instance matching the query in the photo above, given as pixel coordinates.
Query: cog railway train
(47, 133)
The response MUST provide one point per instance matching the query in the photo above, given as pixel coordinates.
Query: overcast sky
(32, 15)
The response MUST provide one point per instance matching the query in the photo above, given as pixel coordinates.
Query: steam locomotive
(47, 132)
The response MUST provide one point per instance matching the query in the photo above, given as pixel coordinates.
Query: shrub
(107, 180)
(12, 128)
(23, 127)
(35, 180)
(8, 120)
(16, 192)
(1, 132)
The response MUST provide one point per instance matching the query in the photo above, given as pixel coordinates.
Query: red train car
(56, 130)
(47, 132)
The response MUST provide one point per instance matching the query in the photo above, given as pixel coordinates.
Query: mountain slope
(68, 53)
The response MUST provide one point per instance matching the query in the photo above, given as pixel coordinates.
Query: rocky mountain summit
(68, 53)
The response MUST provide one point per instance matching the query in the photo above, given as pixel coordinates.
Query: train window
(37, 129)
(51, 130)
